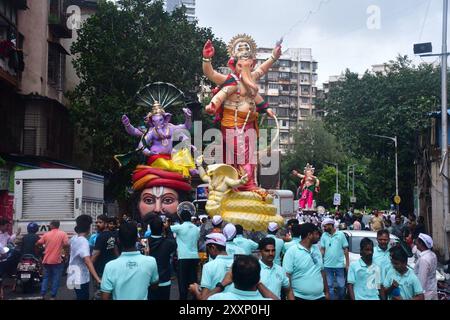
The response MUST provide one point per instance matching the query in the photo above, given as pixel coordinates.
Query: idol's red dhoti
(239, 145)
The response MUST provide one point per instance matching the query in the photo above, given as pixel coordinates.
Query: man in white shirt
(425, 267)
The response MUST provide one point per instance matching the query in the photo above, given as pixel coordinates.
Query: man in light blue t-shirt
(229, 231)
(129, 276)
(334, 247)
(245, 276)
(400, 282)
(295, 233)
(279, 243)
(364, 276)
(304, 267)
(187, 236)
(247, 245)
(272, 275)
(214, 271)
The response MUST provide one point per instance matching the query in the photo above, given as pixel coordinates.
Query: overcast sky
(335, 30)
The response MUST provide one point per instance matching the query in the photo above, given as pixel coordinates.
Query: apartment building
(189, 4)
(290, 89)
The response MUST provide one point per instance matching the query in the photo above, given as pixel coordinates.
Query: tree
(394, 103)
(314, 145)
(119, 50)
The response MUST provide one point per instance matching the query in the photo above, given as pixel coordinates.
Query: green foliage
(119, 50)
(392, 104)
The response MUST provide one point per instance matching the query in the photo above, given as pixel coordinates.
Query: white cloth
(77, 272)
(216, 220)
(393, 218)
(328, 221)
(229, 231)
(5, 238)
(216, 238)
(425, 270)
(273, 226)
(427, 240)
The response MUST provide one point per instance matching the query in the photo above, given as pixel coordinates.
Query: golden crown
(309, 167)
(242, 46)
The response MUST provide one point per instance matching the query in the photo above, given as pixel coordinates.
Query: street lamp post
(396, 160)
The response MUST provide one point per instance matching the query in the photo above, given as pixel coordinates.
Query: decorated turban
(147, 177)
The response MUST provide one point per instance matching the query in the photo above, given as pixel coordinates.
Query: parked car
(354, 238)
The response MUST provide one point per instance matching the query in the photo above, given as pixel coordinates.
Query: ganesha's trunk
(248, 82)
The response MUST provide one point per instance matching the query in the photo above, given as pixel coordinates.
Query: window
(304, 65)
(305, 100)
(274, 86)
(284, 100)
(283, 112)
(305, 113)
(273, 100)
(273, 76)
(284, 75)
(56, 66)
(284, 87)
(285, 63)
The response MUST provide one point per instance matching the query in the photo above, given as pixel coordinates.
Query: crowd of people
(308, 259)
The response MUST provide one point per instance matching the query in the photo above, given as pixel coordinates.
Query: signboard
(397, 199)
(352, 199)
(337, 199)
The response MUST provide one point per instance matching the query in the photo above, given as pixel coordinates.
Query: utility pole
(444, 146)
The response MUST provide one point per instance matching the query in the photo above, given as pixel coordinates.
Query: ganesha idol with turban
(163, 181)
(234, 193)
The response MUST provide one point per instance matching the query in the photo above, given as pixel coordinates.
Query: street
(63, 293)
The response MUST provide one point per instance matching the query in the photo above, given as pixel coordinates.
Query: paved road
(63, 293)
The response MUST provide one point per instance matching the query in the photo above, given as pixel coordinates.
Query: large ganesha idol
(157, 137)
(233, 190)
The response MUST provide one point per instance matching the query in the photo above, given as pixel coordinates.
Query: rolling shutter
(48, 199)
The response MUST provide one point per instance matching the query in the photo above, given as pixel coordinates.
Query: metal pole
(348, 177)
(353, 191)
(444, 147)
(337, 179)
(396, 171)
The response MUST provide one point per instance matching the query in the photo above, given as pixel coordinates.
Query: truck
(43, 195)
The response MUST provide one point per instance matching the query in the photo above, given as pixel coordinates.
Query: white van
(43, 195)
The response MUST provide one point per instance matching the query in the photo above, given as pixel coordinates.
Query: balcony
(294, 93)
(11, 63)
(57, 19)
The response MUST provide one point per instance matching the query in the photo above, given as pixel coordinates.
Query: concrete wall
(33, 25)
(437, 210)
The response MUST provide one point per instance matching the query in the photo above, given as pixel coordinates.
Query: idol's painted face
(158, 200)
(158, 120)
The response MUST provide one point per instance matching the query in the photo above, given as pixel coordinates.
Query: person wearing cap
(364, 277)
(273, 275)
(304, 267)
(425, 267)
(295, 233)
(187, 236)
(229, 231)
(381, 255)
(247, 245)
(217, 222)
(245, 276)
(334, 248)
(214, 271)
(400, 282)
(279, 243)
